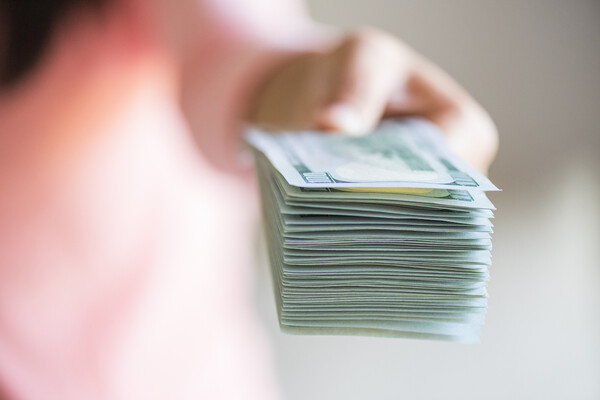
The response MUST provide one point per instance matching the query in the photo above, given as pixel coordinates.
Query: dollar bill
(398, 154)
(390, 238)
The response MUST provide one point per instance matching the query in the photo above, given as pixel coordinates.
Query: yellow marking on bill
(387, 190)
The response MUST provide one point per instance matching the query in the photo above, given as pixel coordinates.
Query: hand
(367, 76)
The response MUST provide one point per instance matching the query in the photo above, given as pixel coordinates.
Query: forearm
(227, 66)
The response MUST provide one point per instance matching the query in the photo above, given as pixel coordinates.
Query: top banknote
(407, 153)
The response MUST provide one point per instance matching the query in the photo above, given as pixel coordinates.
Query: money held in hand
(386, 234)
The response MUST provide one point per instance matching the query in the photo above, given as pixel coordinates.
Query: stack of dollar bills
(386, 234)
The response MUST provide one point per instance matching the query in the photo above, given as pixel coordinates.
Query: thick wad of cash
(386, 234)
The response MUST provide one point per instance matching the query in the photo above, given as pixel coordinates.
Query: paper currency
(406, 155)
(383, 235)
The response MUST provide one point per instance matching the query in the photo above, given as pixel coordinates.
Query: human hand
(367, 76)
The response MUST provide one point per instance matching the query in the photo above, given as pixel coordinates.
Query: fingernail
(346, 119)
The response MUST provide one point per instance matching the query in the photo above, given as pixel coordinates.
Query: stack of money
(386, 234)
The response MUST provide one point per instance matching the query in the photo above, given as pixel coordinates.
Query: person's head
(26, 27)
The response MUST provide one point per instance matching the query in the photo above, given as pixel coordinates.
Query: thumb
(344, 117)
(364, 72)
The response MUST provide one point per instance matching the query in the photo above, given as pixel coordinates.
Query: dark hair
(26, 27)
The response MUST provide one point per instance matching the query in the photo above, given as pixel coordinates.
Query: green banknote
(406, 154)
(386, 235)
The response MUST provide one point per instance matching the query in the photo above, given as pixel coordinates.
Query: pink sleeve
(240, 42)
(116, 264)
(117, 275)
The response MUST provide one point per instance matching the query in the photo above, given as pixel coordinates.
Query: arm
(280, 69)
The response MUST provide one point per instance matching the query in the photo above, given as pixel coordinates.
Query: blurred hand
(367, 76)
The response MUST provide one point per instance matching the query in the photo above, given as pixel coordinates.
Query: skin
(366, 76)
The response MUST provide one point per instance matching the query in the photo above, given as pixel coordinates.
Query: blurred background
(535, 65)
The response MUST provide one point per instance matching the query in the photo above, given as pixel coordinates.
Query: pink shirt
(125, 255)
